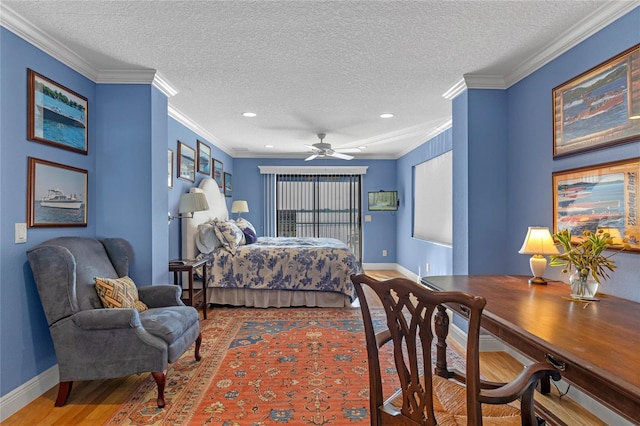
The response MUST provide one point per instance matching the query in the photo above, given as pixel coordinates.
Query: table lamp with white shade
(539, 243)
(240, 206)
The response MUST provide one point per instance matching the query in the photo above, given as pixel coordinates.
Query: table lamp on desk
(539, 243)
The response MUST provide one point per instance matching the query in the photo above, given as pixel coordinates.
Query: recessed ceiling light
(362, 147)
(268, 146)
(386, 115)
(249, 114)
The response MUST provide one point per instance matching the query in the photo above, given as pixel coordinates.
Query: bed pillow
(206, 238)
(244, 224)
(249, 235)
(229, 234)
(119, 293)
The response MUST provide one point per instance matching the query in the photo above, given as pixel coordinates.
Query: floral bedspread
(283, 263)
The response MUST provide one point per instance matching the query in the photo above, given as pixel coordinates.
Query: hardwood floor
(94, 402)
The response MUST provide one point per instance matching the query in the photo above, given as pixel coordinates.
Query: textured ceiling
(315, 66)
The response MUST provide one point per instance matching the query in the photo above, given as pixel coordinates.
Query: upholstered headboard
(217, 210)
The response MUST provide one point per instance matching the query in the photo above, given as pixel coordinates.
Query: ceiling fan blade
(311, 157)
(341, 156)
(311, 147)
(344, 150)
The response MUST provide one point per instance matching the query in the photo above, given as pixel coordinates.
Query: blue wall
(377, 235)
(26, 348)
(178, 132)
(414, 253)
(502, 165)
(530, 161)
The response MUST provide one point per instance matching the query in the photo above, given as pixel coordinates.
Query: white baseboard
(23, 395)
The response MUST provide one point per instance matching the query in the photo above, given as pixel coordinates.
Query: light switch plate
(20, 233)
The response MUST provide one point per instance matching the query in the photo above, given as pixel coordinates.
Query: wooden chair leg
(198, 342)
(64, 389)
(160, 378)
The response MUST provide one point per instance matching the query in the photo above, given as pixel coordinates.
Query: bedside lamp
(240, 206)
(189, 203)
(539, 243)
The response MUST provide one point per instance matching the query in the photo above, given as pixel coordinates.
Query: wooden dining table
(594, 344)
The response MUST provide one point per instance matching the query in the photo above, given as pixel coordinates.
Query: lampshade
(193, 202)
(538, 242)
(239, 206)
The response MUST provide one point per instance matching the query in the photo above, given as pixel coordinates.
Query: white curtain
(269, 191)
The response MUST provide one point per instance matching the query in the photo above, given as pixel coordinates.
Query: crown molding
(32, 34)
(455, 90)
(195, 127)
(584, 29)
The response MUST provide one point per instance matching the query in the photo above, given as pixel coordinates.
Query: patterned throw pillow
(206, 240)
(229, 234)
(244, 224)
(119, 293)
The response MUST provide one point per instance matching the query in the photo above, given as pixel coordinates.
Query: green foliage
(586, 256)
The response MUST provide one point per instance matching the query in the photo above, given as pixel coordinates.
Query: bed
(271, 272)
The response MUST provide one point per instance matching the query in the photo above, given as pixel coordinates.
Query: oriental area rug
(290, 366)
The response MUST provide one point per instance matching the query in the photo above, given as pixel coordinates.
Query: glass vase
(583, 286)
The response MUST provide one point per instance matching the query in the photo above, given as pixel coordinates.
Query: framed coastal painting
(170, 169)
(56, 115)
(186, 162)
(217, 173)
(204, 158)
(228, 185)
(600, 107)
(56, 195)
(603, 196)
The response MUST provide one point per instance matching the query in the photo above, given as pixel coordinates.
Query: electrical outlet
(427, 267)
(384, 252)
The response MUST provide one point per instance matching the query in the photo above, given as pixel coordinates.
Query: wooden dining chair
(430, 392)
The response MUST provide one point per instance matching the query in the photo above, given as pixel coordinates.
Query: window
(433, 199)
(320, 206)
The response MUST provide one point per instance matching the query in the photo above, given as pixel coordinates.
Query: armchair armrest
(511, 391)
(106, 319)
(157, 296)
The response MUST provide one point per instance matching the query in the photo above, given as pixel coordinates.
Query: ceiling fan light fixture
(386, 115)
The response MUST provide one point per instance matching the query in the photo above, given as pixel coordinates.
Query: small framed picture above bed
(186, 162)
(204, 158)
(217, 172)
(228, 185)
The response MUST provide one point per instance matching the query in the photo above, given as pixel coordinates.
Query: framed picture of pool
(603, 197)
(56, 195)
(600, 107)
(56, 115)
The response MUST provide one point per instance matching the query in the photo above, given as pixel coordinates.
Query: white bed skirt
(260, 298)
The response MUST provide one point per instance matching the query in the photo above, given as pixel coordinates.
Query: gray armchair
(92, 342)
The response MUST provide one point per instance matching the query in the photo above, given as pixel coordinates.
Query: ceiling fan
(323, 150)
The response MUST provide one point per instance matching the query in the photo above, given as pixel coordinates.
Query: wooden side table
(189, 266)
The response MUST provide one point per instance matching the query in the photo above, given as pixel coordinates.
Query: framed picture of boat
(204, 158)
(56, 115)
(218, 169)
(56, 195)
(186, 162)
(600, 107)
(228, 185)
(604, 197)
